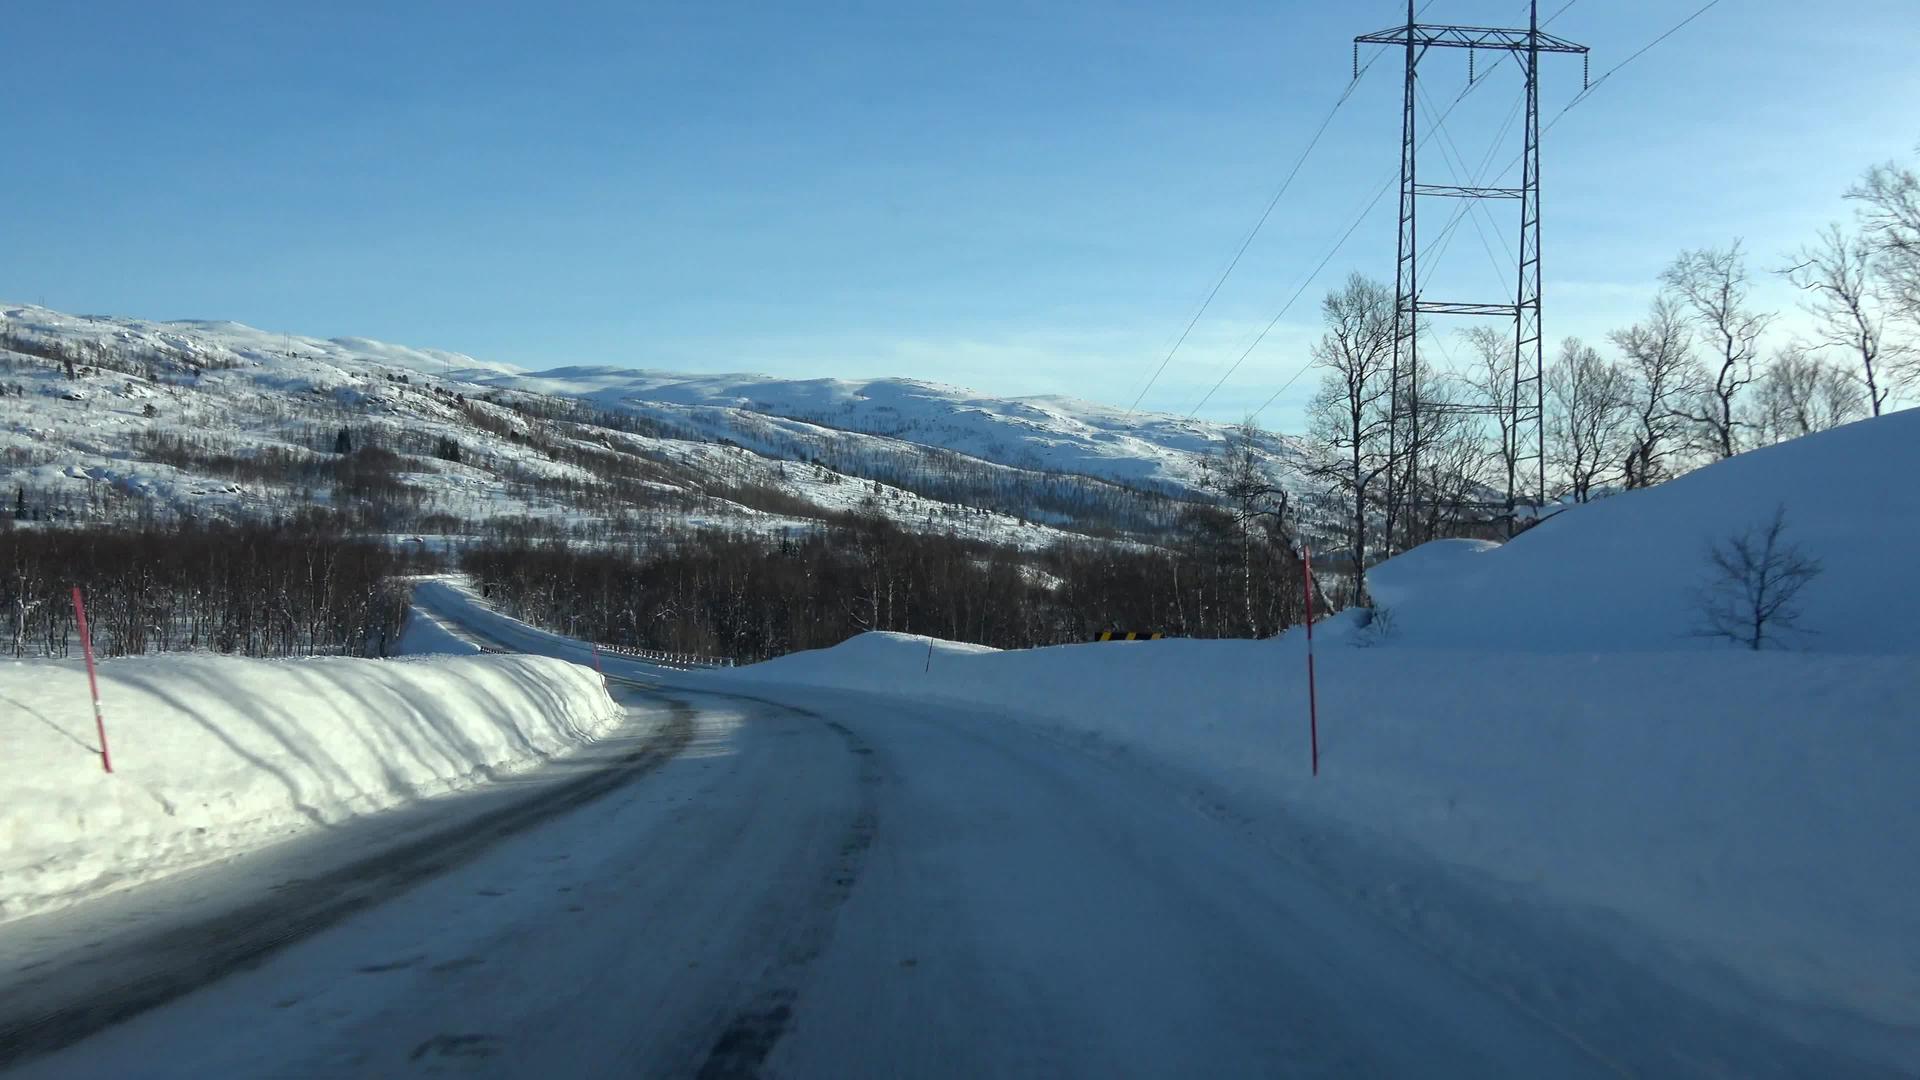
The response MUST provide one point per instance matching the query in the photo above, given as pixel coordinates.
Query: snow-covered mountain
(1050, 433)
(118, 416)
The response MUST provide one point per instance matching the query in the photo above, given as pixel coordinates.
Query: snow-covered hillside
(1624, 573)
(1050, 433)
(1541, 715)
(108, 416)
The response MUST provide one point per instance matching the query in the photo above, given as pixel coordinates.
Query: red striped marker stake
(598, 668)
(1313, 703)
(93, 682)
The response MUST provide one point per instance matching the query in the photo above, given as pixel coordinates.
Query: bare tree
(1453, 458)
(1348, 418)
(1239, 475)
(1756, 577)
(1491, 380)
(1798, 395)
(1661, 371)
(1713, 284)
(1889, 208)
(1836, 273)
(1450, 452)
(1587, 406)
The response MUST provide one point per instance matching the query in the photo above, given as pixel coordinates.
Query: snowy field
(214, 755)
(1543, 713)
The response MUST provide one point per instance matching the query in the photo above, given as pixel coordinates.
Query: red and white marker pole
(1313, 702)
(598, 668)
(93, 681)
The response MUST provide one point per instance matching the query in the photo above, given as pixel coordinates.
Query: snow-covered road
(839, 887)
(848, 892)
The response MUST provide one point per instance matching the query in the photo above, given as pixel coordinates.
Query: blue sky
(1017, 197)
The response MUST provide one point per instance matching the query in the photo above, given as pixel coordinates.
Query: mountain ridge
(162, 409)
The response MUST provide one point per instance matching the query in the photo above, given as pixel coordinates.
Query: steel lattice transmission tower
(1526, 408)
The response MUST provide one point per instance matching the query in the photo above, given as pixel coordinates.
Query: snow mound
(217, 755)
(1623, 573)
(880, 657)
(1401, 579)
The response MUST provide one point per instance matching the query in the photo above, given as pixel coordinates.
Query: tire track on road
(750, 1036)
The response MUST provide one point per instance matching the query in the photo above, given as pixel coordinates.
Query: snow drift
(215, 755)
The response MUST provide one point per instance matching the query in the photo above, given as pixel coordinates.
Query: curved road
(831, 885)
(806, 895)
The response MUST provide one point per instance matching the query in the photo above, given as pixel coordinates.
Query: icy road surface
(846, 887)
(871, 893)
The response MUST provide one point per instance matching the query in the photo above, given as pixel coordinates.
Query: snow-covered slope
(1624, 572)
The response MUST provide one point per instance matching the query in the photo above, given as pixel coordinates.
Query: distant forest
(742, 597)
(305, 586)
(295, 588)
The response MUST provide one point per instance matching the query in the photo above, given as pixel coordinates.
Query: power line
(1338, 244)
(1275, 321)
(1358, 74)
(1595, 84)
(1251, 234)
(1246, 243)
(1457, 161)
(1452, 225)
(1442, 242)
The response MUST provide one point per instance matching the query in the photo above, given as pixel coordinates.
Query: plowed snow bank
(214, 755)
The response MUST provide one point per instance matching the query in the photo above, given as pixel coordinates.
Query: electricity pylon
(1526, 408)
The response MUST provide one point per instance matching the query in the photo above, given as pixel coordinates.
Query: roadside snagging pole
(1313, 704)
(93, 681)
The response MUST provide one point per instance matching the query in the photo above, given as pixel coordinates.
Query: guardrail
(670, 659)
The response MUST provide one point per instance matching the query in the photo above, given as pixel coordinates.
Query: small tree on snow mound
(1756, 576)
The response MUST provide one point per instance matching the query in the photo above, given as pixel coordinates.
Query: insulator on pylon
(1356, 61)
(1470, 54)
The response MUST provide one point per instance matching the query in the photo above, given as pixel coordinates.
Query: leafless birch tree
(1713, 285)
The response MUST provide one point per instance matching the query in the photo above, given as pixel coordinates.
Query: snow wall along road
(214, 755)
